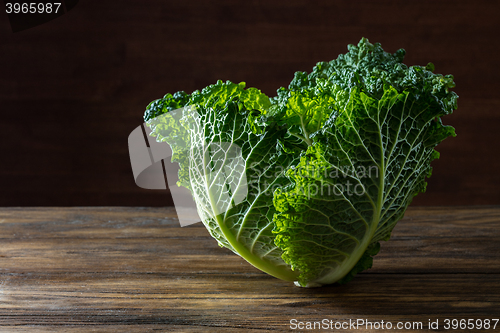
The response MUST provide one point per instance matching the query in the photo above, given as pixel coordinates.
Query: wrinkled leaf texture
(331, 163)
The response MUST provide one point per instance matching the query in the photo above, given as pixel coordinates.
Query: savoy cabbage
(330, 164)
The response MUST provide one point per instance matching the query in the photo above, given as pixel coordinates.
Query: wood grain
(136, 270)
(73, 89)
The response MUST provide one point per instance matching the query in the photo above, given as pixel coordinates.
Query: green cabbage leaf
(304, 185)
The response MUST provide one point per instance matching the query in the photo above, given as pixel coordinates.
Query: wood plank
(135, 269)
(437, 239)
(73, 89)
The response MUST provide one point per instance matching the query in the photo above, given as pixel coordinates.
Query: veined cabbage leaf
(306, 184)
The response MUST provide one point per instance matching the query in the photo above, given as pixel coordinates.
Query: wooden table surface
(114, 269)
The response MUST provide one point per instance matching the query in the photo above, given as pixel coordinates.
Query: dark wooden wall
(71, 90)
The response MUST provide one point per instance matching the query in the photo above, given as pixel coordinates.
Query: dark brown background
(72, 90)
